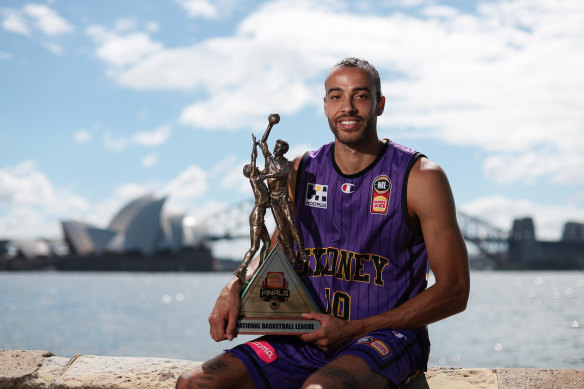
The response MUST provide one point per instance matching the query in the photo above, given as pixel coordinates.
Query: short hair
(352, 62)
(284, 145)
(247, 170)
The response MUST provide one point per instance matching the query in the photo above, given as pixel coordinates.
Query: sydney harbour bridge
(489, 242)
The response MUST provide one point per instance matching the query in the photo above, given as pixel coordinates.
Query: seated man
(373, 216)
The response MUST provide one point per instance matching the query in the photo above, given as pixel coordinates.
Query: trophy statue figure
(276, 173)
(257, 228)
(275, 298)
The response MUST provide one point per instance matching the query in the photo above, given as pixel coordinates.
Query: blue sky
(102, 101)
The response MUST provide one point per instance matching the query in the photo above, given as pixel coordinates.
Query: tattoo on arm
(214, 366)
(341, 375)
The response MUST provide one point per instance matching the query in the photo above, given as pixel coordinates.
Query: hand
(223, 317)
(333, 334)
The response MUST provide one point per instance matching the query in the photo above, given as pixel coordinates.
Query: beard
(352, 138)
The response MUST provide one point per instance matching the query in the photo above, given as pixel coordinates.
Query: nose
(348, 106)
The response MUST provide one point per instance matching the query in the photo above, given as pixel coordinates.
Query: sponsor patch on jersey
(380, 192)
(376, 344)
(316, 195)
(347, 188)
(264, 351)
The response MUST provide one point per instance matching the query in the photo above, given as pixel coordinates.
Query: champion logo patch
(347, 188)
(380, 192)
(264, 351)
(316, 195)
(378, 345)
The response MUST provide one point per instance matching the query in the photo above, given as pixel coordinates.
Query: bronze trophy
(275, 298)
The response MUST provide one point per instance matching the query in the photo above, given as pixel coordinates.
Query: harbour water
(513, 319)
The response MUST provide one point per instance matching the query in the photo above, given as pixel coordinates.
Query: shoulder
(428, 187)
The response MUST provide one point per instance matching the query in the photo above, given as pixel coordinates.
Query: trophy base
(275, 299)
(276, 326)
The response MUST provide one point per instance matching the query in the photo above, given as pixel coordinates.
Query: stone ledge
(32, 369)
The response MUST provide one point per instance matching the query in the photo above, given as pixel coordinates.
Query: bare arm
(448, 259)
(254, 155)
(224, 315)
(281, 173)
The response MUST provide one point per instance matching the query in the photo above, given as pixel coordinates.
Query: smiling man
(373, 216)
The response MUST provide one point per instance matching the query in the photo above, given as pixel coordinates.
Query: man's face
(351, 105)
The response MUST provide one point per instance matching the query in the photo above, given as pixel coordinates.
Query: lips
(349, 123)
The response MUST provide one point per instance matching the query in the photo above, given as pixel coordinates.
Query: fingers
(312, 316)
(231, 325)
(217, 329)
(314, 335)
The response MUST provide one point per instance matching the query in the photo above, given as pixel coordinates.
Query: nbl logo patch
(380, 192)
(378, 345)
(316, 195)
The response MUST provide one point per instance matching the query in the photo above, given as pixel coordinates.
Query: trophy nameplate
(275, 299)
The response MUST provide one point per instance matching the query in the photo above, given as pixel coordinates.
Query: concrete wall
(29, 369)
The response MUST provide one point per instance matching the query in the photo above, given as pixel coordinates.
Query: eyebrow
(356, 89)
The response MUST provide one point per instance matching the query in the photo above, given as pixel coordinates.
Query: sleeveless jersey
(365, 256)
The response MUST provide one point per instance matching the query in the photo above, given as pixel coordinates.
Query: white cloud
(53, 48)
(502, 80)
(153, 138)
(152, 26)
(531, 166)
(150, 159)
(144, 138)
(5, 56)
(47, 20)
(14, 22)
(82, 136)
(23, 184)
(125, 24)
(34, 202)
(189, 185)
(548, 219)
(199, 8)
(119, 50)
(36, 206)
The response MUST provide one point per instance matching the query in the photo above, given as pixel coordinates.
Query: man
(387, 212)
(257, 227)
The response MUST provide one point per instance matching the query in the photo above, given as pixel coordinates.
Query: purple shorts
(286, 361)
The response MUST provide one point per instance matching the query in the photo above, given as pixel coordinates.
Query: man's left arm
(430, 202)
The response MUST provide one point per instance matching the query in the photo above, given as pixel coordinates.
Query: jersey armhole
(404, 194)
(298, 172)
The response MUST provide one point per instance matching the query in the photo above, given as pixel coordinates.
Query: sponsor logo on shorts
(376, 344)
(347, 188)
(264, 351)
(316, 195)
(380, 192)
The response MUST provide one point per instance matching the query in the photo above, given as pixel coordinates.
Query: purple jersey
(365, 256)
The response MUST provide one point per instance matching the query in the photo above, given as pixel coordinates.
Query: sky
(104, 101)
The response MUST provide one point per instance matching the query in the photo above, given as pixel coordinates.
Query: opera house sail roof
(140, 226)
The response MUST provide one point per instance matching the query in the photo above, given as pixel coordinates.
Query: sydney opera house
(139, 227)
(141, 236)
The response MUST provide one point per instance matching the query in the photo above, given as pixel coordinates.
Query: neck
(352, 159)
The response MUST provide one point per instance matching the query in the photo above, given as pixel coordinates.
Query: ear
(380, 106)
(325, 106)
